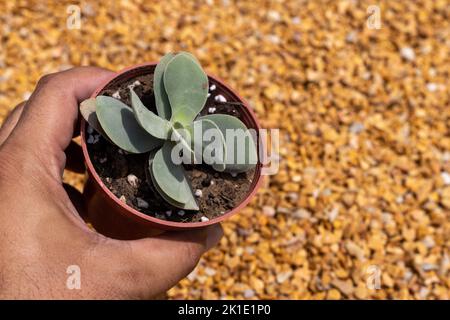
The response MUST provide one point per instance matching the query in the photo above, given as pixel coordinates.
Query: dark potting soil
(125, 174)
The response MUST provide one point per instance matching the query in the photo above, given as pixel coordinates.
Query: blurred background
(360, 208)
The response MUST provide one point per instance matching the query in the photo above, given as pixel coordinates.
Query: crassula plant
(177, 134)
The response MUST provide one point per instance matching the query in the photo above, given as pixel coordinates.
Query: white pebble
(212, 88)
(234, 174)
(134, 84)
(90, 139)
(356, 127)
(141, 203)
(168, 213)
(332, 215)
(204, 219)
(89, 129)
(103, 160)
(249, 293)
(268, 211)
(116, 95)
(274, 16)
(181, 213)
(133, 180)
(108, 179)
(96, 138)
(123, 199)
(432, 87)
(212, 182)
(198, 193)
(296, 20)
(26, 95)
(446, 178)
(208, 95)
(220, 98)
(211, 110)
(407, 53)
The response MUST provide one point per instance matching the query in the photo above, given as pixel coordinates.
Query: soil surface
(125, 174)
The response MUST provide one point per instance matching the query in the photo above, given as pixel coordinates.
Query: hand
(42, 233)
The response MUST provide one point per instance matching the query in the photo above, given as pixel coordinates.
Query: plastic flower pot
(112, 217)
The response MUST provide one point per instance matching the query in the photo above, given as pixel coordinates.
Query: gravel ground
(361, 205)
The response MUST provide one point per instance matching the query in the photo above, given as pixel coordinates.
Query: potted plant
(167, 147)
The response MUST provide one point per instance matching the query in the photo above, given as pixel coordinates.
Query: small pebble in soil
(160, 216)
(116, 95)
(212, 87)
(198, 193)
(108, 179)
(181, 213)
(168, 213)
(208, 95)
(204, 219)
(123, 199)
(134, 84)
(103, 160)
(233, 174)
(220, 98)
(133, 180)
(90, 139)
(211, 110)
(141, 203)
(89, 129)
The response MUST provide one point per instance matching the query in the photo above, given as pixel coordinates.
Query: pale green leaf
(156, 126)
(241, 152)
(161, 99)
(170, 180)
(186, 86)
(120, 125)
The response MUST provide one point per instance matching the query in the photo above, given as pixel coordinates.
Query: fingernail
(213, 235)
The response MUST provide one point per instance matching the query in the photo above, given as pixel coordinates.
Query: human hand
(42, 233)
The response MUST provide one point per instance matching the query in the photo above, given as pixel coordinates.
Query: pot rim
(140, 216)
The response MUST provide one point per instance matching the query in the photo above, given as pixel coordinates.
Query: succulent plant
(177, 134)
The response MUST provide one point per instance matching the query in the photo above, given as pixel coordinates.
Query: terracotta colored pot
(115, 219)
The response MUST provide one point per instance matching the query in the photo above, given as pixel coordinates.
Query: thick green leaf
(186, 85)
(87, 110)
(156, 126)
(169, 179)
(119, 123)
(209, 143)
(161, 99)
(241, 152)
(183, 139)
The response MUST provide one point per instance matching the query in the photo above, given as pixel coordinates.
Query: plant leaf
(169, 179)
(87, 110)
(186, 85)
(161, 99)
(117, 120)
(202, 132)
(156, 126)
(241, 152)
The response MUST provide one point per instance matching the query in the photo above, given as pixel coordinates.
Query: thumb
(166, 259)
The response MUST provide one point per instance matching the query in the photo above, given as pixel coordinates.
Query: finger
(47, 124)
(74, 158)
(10, 122)
(166, 259)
